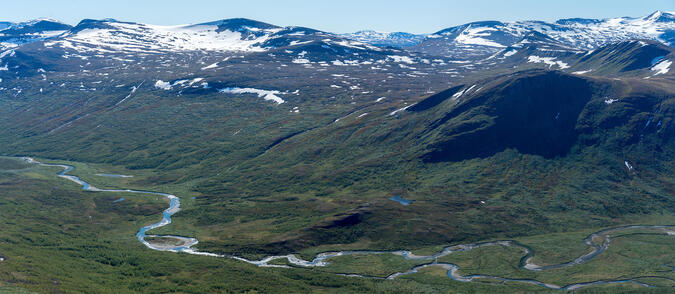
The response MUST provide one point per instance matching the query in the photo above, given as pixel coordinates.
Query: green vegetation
(254, 200)
(438, 276)
(631, 255)
(8, 164)
(51, 225)
(57, 238)
(644, 255)
(379, 265)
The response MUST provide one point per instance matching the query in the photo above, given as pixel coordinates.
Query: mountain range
(487, 37)
(575, 32)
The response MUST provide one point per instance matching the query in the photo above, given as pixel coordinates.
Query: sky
(418, 16)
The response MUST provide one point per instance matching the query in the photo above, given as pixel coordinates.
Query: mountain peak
(660, 16)
(38, 22)
(238, 24)
(93, 24)
(47, 19)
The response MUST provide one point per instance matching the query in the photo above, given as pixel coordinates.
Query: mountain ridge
(478, 38)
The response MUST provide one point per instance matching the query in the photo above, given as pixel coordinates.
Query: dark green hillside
(499, 143)
(630, 55)
(625, 58)
(532, 113)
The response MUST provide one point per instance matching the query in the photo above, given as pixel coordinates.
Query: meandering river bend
(186, 244)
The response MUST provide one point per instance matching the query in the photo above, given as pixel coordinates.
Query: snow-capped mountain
(468, 41)
(114, 47)
(15, 34)
(115, 36)
(231, 35)
(394, 39)
(32, 47)
(536, 47)
(478, 39)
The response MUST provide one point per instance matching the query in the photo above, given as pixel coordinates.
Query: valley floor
(50, 224)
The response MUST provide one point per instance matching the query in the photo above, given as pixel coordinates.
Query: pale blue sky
(417, 16)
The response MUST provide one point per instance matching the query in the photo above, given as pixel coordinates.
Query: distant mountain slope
(395, 39)
(15, 34)
(642, 58)
(235, 35)
(639, 58)
(487, 37)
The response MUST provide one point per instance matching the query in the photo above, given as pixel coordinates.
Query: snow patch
(472, 36)
(265, 94)
(662, 67)
(550, 61)
(628, 165)
(163, 85)
(610, 101)
(399, 110)
(581, 72)
(511, 52)
(133, 90)
(210, 66)
(301, 61)
(399, 58)
(460, 93)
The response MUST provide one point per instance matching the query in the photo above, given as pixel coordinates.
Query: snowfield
(550, 61)
(662, 67)
(473, 36)
(133, 37)
(511, 52)
(402, 59)
(265, 94)
(163, 85)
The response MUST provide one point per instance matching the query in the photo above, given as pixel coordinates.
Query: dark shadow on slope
(343, 229)
(284, 138)
(534, 112)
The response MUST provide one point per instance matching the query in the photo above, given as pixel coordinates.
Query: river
(185, 244)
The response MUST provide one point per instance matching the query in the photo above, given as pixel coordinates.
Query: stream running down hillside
(184, 244)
